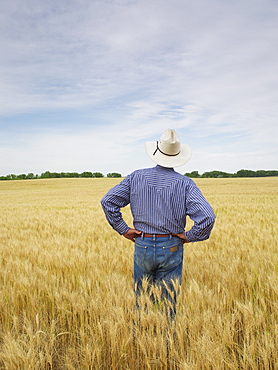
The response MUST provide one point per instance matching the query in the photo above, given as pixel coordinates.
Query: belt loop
(153, 236)
(142, 235)
(171, 236)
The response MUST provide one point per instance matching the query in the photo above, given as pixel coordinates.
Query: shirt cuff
(121, 228)
(188, 237)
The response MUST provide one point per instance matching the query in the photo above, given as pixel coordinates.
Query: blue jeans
(159, 260)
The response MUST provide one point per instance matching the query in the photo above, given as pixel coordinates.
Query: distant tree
(73, 174)
(193, 174)
(86, 174)
(45, 175)
(246, 173)
(22, 176)
(69, 174)
(216, 174)
(262, 173)
(10, 177)
(55, 175)
(97, 174)
(114, 174)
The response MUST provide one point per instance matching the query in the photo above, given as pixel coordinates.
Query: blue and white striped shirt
(160, 199)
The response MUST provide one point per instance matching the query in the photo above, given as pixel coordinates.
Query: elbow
(210, 226)
(211, 222)
(207, 228)
(103, 203)
(212, 219)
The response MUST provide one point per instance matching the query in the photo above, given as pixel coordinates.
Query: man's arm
(131, 234)
(200, 211)
(113, 201)
(182, 236)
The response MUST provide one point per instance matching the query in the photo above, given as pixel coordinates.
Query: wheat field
(66, 289)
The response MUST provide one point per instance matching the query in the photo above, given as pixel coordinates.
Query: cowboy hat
(168, 151)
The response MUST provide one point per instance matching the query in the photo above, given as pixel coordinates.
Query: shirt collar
(160, 168)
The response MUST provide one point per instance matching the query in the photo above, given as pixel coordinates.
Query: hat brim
(168, 161)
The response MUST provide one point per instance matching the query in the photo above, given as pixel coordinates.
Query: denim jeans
(159, 260)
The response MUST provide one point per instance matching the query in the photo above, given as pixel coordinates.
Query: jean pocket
(140, 253)
(173, 254)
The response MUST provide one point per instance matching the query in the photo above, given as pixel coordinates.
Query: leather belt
(156, 235)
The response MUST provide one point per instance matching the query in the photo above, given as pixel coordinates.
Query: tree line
(240, 173)
(193, 174)
(53, 175)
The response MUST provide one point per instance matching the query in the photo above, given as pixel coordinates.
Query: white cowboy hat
(168, 151)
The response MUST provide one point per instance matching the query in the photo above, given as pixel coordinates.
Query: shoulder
(182, 179)
(141, 172)
(161, 172)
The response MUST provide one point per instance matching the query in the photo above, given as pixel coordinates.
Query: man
(160, 199)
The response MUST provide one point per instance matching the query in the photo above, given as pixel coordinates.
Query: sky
(83, 84)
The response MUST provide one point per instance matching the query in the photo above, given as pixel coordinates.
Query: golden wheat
(66, 296)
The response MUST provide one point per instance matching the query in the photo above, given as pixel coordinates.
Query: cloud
(127, 70)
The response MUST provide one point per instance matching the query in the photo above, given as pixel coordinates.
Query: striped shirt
(160, 199)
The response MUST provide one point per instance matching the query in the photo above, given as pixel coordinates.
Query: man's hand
(182, 237)
(131, 234)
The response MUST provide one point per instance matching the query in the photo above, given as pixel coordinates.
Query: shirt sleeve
(113, 201)
(200, 212)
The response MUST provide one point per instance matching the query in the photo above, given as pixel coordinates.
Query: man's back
(157, 200)
(160, 199)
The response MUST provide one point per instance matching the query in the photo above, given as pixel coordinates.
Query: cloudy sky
(84, 83)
